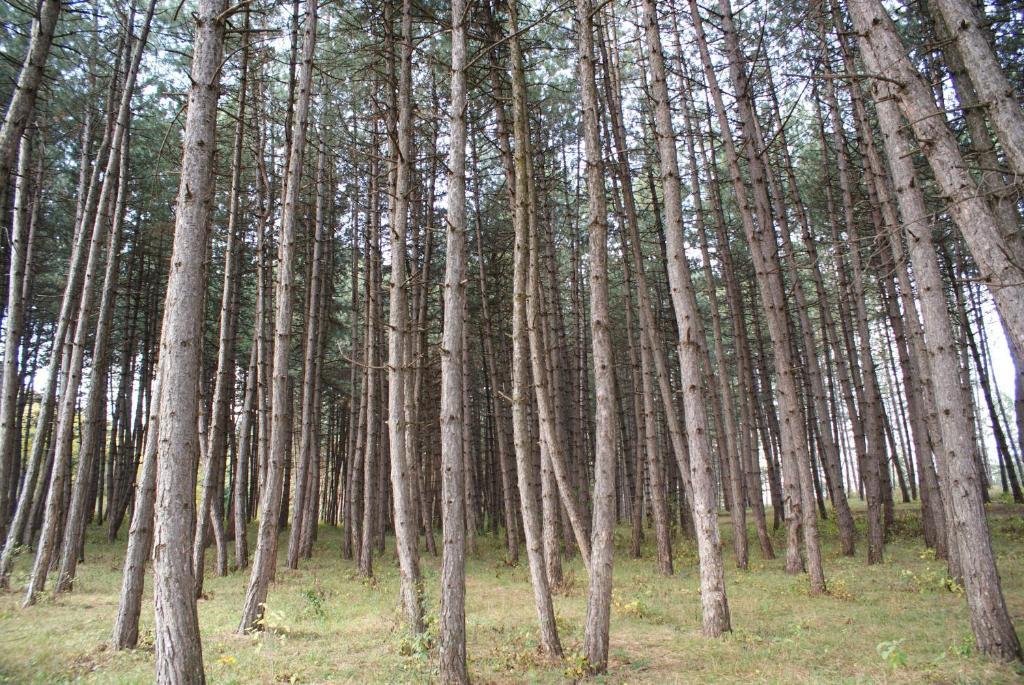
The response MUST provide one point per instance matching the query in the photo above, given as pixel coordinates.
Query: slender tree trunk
(999, 257)
(30, 78)
(20, 244)
(760, 237)
(304, 466)
(452, 624)
(691, 353)
(652, 356)
(405, 514)
(370, 444)
(280, 431)
(94, 415)
(62, 439)
(595, 640)
(224, 385)
(140, 535)
(526, 466)
(242, 460)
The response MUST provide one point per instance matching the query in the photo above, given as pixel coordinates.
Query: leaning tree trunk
(62, 437)
(30, 78)
(179, 654)
(795, 460)
(1000, 98)
(94, 415)
(999, 257)
(652, 352)
(280, 430)
(691, 353)
(526, 466)
(990, 619)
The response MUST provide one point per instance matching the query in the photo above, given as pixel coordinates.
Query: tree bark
(595, 638)
(20, 243)
(452, 624)
(526, 467)
(990, 620)
(30, 78)
(998, 256)
(211, 503)
(140, 535)
(62, 439)
(179, 656)
(691, 343)
(280, 430)
(760, 237)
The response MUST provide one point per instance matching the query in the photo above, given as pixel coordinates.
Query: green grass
(897, 622)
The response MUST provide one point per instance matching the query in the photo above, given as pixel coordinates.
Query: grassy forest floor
(897, 622)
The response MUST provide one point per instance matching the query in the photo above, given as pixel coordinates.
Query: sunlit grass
(897, 622)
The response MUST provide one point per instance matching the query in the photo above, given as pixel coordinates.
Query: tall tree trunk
(243, 454)
(691, 352)
(211, 503)
(526, 467)
(94, 414)
(651, 349)
(140, 535)
(595, 638)
(304, 466)
(760, 237)
(999, 257)
(280, 430)
(372, 385)
(452, 624)
(62, 438)
(873, 458)
(179, 656)
(965, 23)
(405, 514)
(990, 620)
(20, 244)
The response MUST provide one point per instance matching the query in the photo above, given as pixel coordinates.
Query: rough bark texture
(23, 100)
(265, 558)
(965, 22)
(14, 322)
(179, 654)
(714, 604)
(990, 619)
(140, 536)
(526, 467)
(405, 514)
(452, 624)
(211, 503)
(595, 636)
(75, 345)
(999, 256)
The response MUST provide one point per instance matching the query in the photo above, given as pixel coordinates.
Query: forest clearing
(504, 340)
